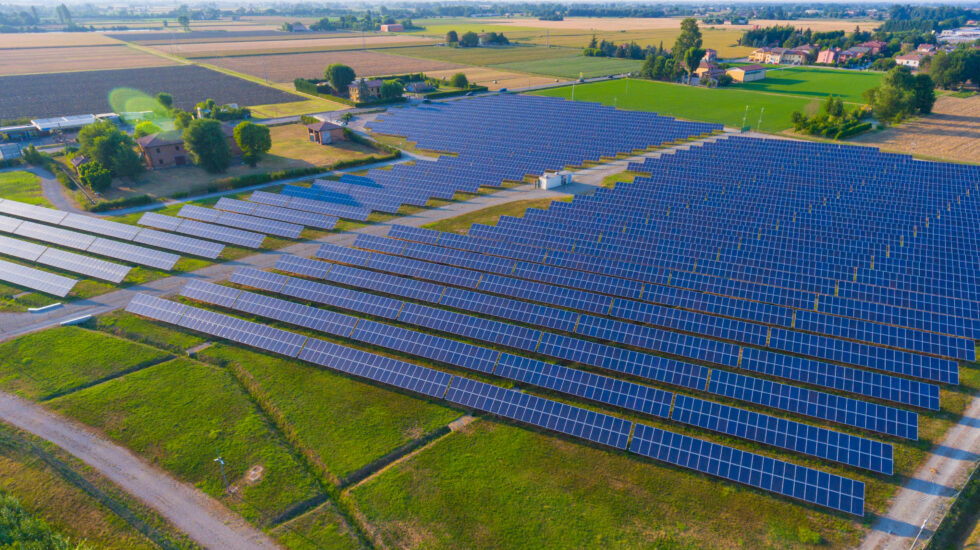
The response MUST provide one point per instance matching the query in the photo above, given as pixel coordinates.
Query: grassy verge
(22, 186)
(346, 424)
(149, 332)
(182, 414)
(319, 529)
(58, 360)
(489, 216)
(625, 176)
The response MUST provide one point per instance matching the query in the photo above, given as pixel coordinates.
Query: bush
(853, 130)
(459, 80)
(94, 175)
(127, 202)
(454, 93)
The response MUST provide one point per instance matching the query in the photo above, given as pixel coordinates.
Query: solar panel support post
(221, 462)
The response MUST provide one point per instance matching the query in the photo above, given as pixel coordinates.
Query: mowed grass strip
(489, 216)
(346, 423)
(575, 66)
(143, 330)
(493, 485)
(721, 105)
(319, 529)
(58, 360)
(22, 186)
(180, 415)
(820, 83)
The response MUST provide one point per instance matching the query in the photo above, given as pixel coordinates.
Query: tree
(833, 106)
(95, 176)
(166, 100)
(452, 37)
(104, 142)
(469, 39)
(32, 156)
(254, 140)
(340, 76)
(692, 58)
(924, 94)
(593, 44)
(205, 141)
(146, 128)
(459, 80)
(63, 14)
(182, 119)
(184, 22)
(690, 37)
(391, 89)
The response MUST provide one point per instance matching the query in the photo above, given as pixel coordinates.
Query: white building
(911, 60)
(551, 180)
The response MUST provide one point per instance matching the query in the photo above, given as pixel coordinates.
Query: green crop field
(22, 186)
(575, 66)
(722, 105)
(819, 83)
(57, 360)
(180, 415)
(483, 56)
(346, 423)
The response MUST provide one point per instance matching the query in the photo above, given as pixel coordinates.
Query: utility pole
(223, 476)
(760, 118)
(745, 116)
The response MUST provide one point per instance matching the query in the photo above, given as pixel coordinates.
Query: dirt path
(204, 519)
(51, 188)
(923, 501)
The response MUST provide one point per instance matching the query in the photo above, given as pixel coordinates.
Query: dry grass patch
(52, 39)
(258, 46)
(951, 132)
(287, 67)
(652, 23)
(70, 59)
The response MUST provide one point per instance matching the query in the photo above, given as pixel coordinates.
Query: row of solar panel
(769, 474)
(247, 239)
(68, 261)
(874, 417)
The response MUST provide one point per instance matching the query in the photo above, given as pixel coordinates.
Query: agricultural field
(485, 56)
(809, 81)
(14, 41)
(650, 23)
(254, 47)
(87, 92)
(951, 132)
(724, 41)
(22, 186)
(728, 106)
(287, 67)
(198, 35)
(72, 59)
(576, 66)
(494, 78)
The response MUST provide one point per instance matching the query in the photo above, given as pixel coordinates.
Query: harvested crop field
(270, 46)
(166, 37)
(287, 67)
(60, 94)
(496, 79)
(52, 39)
(68, 59)
(576, 66)
(951, 132)
(485, 56)
(649, 23)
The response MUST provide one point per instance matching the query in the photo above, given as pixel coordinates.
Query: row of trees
(901, 95)
(682, 59)
(470, 39)
(953, 69)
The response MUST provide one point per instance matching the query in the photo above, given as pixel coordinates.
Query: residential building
(167, 149)
(857, 52)
(828, 56)
(710, 56)
(362, 90)
(774, 56)
(759, 55)
(325, 132)
(418, 87)
(911, 60)
(299, 27)
(794, 57)
(874, 46)
(393, 27)
(711, 69)
(747, 73)
(926, 48)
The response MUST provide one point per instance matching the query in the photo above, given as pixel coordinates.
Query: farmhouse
(167, 149)
(857, 52)
(393, 27)
(875, 46)
(712, 70)
(325, 132)
(911, 60)
(364, 90)
(759, 55)
(299, 27)
(418, 87)
(794, 57)
(710, 56)
(828, 56)
(747, 73)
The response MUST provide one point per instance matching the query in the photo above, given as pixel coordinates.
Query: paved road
(204, 519)
(51, 188)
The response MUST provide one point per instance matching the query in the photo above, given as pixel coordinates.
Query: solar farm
(792, 319)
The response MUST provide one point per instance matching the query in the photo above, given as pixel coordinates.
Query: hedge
(127, 202)
(312, 87)
(853, 130)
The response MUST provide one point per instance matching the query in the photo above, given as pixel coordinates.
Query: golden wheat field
(951, 132)
(52, 39)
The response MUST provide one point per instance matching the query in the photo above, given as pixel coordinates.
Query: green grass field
(722, 105)
(180, 415)
(575, 66)
(150, 332)
(319, 529)
(488, 216)
(22, 186)
(60, 359)
(347, 424)
(484, 56)
(493, 485)
(819, 83)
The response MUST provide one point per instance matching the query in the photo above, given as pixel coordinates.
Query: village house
(911, 60)
(362, 90)
(712, 70)
(828, 56)
(167, 149)
(325, 132)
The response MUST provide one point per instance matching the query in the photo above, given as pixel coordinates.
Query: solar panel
(8, 224)
(762, 472)
(241, 221)
(99, 226)
(157, 309)
(186, 245)
(53, 235)
(20, 249)
(211, 293)
(537, 411)
(203, 230)
(134, 254)
(31, 212)
(84, 265)
(35, 279)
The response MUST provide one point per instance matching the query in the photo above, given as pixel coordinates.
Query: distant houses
(363, 90)
(911, 60)
(747, 73)
(392, 27)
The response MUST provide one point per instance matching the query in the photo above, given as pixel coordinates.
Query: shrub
(459, 80)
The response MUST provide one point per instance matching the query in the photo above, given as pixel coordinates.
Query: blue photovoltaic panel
(238, 237)
(342, 254)
(590, 386)
(101, 227)
(21, 249)
(308, 219)
(256, 278)
(471, 327)
(787, 434)
(768, 474)
(321, 320)
(132, 253)
(54, 235)
(536, 411)
(375, 367)
(243, 332)
(241, 221)
(210, 293)
(436, 348)
(179, 243)
(407, 288)
(303, 266)
(35, 279)
(84, 265)
(157, 309)
(31, 212)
